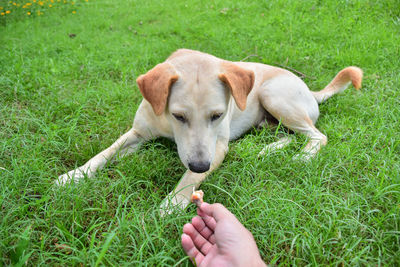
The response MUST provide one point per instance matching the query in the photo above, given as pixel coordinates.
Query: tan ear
(155, 85)
(239, 80)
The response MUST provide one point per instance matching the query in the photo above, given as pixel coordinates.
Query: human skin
(216, 238)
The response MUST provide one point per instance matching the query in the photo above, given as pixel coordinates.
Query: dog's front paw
(74, 175)
(172, 203)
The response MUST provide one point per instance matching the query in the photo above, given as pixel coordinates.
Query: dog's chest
(242, 121)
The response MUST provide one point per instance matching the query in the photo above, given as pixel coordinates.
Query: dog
(202, 102)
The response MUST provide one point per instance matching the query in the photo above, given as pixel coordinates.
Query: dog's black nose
(199, 167)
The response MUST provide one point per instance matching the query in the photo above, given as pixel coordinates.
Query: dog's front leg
(179, 198)
(126, 144)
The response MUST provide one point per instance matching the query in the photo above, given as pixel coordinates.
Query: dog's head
(195, 92)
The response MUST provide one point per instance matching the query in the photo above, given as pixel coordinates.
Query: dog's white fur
(202, 102)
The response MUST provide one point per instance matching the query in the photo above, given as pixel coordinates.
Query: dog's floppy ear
(155, 85)
(239, 80)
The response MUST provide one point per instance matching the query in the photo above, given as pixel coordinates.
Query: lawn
(68, 90)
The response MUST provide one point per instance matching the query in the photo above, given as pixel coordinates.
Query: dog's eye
(216, 116)
(179, 117)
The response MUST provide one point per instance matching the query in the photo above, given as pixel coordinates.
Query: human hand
(217, 238)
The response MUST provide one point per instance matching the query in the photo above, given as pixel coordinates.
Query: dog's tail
(340, 83)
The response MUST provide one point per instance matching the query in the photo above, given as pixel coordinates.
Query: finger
(208, 220)
(199, 241)
(216, 211)
(203, 229)
(191, 250)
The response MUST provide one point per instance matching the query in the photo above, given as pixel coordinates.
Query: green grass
(63, 99)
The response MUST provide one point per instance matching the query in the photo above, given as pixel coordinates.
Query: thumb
(216, 210)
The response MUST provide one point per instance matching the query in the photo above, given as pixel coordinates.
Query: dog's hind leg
(315, 142)
(281, 143)
(305, 126)
(289, 100)
(302, 124)
(126, 144)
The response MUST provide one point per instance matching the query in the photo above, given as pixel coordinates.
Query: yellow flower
(28, 4)
(50, 5)
(40, 3)
(1, 7)
(52, 1)
(34, 1)
(2, 13)
(8, 12)
(74, 12)
(29, 13)
(14, 4)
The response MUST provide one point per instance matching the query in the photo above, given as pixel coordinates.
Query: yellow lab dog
(201, 102)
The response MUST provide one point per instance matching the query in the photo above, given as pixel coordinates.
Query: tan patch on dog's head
(239, 80)
(155, 86)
